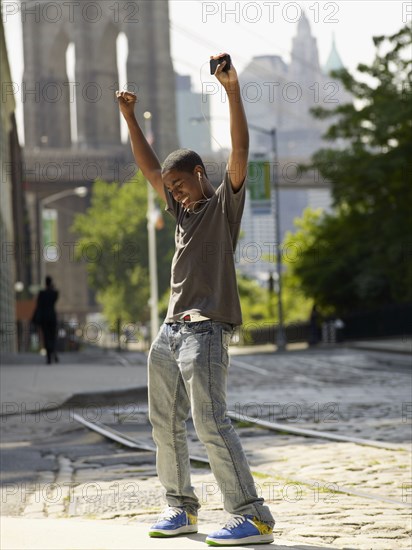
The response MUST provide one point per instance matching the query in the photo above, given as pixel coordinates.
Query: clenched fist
(127, 102)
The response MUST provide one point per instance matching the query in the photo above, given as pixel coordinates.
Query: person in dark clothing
(314, 326)
(45, 317)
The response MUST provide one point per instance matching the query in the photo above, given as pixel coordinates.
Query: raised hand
(127, 101)
(226, 78)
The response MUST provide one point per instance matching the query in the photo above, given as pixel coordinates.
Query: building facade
(190, 110)
(8, 337)
(278, 96)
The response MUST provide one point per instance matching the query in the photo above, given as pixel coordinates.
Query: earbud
(204, 200)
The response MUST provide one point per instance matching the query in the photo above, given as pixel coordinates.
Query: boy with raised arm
(188, 361)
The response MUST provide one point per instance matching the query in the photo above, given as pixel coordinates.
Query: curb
(93, 399)
(106, 398)
(379, 349)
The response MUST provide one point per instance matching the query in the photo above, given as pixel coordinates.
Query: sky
(245, 29)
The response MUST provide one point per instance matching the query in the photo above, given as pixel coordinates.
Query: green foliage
(254, 300)
(296, 305)
(112, 235)
(359, 255)
(260, 305)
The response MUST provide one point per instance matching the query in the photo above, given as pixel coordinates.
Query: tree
(112, 235)
(359, 256)
(260, 305)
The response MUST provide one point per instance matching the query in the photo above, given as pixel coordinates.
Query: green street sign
(258, 182)
(49, 231)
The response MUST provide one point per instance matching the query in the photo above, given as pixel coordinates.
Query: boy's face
(185, 187)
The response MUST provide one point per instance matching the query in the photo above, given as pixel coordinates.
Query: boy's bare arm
(239, 133)
(144, 155)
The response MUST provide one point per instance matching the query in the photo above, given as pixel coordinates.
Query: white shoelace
(170, 513)
(235, 521)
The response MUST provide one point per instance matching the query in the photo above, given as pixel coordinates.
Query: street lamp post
(280, 335)
(151, 229)
(77, 191)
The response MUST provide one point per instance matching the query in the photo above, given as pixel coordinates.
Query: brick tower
(72, 125)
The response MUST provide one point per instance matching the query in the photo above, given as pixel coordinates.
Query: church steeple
(304, 55)
(334, 62)
(303, 26)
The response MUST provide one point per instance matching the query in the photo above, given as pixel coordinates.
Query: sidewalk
(77, 380)
(40, 534)
(390, 345)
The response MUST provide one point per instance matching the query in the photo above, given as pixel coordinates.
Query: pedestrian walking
(188, 361)
(45, 317)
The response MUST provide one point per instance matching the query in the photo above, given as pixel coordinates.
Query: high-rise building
(190, 109)
(278, 98)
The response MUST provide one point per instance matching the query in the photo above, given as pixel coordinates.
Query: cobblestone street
(323, 494)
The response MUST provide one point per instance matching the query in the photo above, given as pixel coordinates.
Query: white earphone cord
(200, 201)
(210, 129)
(206, 199)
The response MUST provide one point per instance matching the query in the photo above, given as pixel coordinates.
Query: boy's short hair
(183, 160)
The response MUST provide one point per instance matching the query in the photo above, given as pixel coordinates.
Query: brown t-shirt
(203, 276)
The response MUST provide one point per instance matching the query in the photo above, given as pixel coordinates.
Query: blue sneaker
(174, 521)
(241, 530)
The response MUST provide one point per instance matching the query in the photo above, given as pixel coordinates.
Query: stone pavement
(323, 494)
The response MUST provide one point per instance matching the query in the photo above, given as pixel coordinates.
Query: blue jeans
(188, 365)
